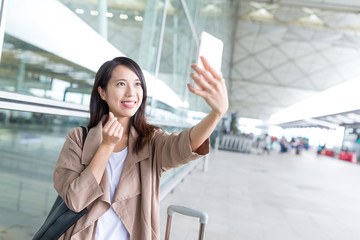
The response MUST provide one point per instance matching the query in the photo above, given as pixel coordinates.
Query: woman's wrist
(107, 146)
(217, 114)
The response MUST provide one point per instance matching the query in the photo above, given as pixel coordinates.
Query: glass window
(132, 28)
(30, 144)
(30, 70)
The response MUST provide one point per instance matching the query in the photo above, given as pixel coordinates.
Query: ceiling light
(123, 16)
(313, 17)
(211, 9)
(109, 14)
(261, 15)
(138, 18)
(94, 13)
(262, 11)
(79, 11)
(311, 20)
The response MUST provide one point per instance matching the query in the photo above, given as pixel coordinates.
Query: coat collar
(129, 184)
(94, 139)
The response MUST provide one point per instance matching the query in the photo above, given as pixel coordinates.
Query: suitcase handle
(189, 212)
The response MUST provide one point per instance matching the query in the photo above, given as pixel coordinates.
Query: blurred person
(257, 145)
(283, 145)
(273, 139)
(297, 146)
(116, 173)
(291, 145)
(265, 142)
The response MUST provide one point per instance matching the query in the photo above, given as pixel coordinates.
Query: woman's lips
(128, 104)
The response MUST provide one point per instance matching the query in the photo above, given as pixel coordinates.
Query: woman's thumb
(111, 114)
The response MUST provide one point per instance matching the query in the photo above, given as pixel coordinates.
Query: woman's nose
(131, 90)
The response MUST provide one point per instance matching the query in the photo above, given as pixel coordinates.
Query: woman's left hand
(212, 87)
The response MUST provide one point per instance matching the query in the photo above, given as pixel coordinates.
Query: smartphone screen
(211, 48)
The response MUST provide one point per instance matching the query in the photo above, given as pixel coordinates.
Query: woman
(116, 173)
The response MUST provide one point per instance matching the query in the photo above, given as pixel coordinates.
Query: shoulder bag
(60, 217)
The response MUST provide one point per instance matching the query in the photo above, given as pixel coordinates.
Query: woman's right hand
(112, 131)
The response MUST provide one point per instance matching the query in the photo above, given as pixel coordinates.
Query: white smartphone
(211, 48)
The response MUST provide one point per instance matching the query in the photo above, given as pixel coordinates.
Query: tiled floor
(250, 197)
(270, 197)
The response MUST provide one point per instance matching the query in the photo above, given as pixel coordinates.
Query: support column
(103, 26)
(158, 56)
(148, 48)
(21, 75)
(175, 52)
(3, 11)
(188, 97)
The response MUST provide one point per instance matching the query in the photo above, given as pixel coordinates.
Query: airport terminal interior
(284, 160)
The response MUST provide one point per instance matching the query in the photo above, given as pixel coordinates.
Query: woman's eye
(138, 84)
(120, 84)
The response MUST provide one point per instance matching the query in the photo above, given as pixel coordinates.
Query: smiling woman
(116, 173)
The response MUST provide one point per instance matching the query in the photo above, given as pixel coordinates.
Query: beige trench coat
(136, 199)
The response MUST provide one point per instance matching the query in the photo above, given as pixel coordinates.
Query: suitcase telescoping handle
(189, 212)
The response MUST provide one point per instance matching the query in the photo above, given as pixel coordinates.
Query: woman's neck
(124, 142)
(125, 123)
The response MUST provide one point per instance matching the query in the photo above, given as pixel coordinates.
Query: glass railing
(30, 144)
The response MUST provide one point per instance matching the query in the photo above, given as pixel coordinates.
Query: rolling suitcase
(203, 218)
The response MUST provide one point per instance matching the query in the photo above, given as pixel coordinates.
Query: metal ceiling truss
(349, 119)
(280, 63)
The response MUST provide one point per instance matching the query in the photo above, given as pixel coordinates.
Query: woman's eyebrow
(123, 79)
(120, 79)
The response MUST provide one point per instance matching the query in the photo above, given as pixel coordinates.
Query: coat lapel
(130, 184)
(91, 145)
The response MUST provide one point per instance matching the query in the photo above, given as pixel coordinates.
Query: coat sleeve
(174, 150)
(74, 181)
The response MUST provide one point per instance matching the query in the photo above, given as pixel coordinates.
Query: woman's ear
(101, 93)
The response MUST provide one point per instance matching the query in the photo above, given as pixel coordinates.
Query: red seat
(329, 153)
(347, 156)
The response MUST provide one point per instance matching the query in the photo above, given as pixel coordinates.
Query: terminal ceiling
(286, 51)
(282, 51)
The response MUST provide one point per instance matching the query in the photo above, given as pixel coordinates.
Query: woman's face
(123, 93)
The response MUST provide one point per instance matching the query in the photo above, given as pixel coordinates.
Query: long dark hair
(99, 108)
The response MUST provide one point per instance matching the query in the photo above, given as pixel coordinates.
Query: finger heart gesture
(112, 131)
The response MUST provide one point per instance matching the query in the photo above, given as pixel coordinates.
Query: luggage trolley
(189, 212)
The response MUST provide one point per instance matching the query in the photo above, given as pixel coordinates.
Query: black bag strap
(60, 217)
(85, 132)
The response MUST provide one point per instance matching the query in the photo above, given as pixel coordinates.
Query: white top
(109, 226)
